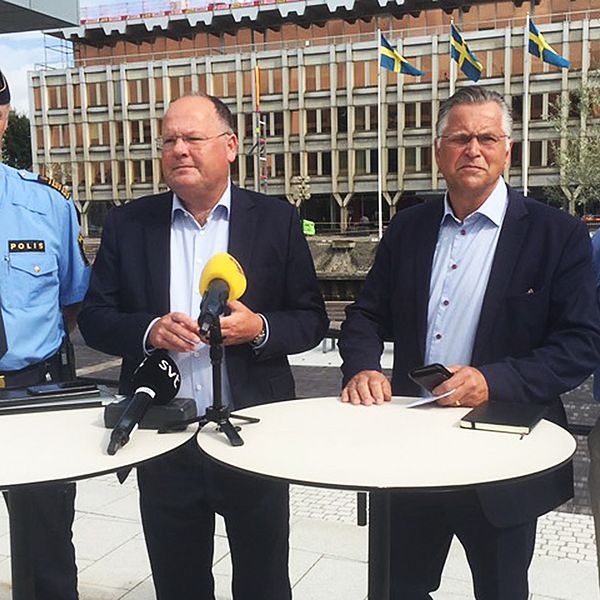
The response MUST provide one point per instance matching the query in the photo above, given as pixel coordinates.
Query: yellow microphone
(222, 281)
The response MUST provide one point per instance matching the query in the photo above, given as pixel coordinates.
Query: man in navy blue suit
(144, 295)
(499, 288)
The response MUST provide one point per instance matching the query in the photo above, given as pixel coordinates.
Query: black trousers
(179, 496)
(422, 527)
(46, 513)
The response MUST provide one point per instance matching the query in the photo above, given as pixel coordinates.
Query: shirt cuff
(266, 326)
(147, 348)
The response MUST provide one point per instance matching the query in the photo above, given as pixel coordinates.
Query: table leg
(379, 545)
(21, 561)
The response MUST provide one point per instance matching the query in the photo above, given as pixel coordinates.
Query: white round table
(323, 442)
(64, 445)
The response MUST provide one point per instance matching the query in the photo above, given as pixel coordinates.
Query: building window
(410, 160)
(311, 121)
(277, 123)
(359, 118)
(392, 120)
(410, 114)
(535, 154)
(425, 114)
(326, 163)
(342, 118)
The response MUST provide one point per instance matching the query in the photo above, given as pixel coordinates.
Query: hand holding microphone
(155, 381)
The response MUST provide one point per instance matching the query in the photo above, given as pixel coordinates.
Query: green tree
(16, 147)
(576, 119)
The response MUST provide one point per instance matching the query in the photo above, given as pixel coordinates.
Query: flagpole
(379, 138)
(452, 64)
(525, 145)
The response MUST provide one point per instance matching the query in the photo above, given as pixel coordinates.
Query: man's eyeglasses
(460, 140)
(191, 141)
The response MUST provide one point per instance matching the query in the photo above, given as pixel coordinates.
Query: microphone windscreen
(159, 372)
(224, 266)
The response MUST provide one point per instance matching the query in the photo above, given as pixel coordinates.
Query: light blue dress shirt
(461, 268)
(192, 245)
(42, 267)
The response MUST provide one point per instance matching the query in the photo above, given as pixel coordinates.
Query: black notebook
(512, 417)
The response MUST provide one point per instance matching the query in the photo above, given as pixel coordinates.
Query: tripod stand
(217, 413)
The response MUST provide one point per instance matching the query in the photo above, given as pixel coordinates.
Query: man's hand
(241, 326)
(174, 331)
(367, 387)
(469, 385)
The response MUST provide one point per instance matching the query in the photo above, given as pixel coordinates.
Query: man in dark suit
(144, 295)
(499, 287)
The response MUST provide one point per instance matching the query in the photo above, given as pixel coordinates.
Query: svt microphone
(155, 381)
(222, 281)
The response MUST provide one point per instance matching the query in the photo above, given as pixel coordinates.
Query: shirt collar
(221, 209)
(493, 208)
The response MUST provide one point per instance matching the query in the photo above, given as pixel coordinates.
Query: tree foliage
(16, 146)
(576, 118)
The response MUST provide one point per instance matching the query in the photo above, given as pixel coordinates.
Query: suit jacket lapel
(423, 245)
(242, 227)
(157, 242)
(507, 253)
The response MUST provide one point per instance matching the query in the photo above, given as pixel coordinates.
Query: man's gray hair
(473, 95)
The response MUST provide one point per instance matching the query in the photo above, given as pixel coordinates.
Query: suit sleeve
(570, 346)
(300, 322)
(104, 324)
(369, 320)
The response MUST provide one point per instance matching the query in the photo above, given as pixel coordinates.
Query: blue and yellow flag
(539, 47)
(466, 60)
(391, 60)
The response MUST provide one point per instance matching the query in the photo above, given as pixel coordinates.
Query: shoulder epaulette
(59, 187)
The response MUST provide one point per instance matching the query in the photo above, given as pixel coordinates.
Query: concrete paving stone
(94, 494)
(97, 592)
(5, 580)
(568, 581)
(222, 587)
(125, 567)
(333, 578)
(221, 557)
(142, 591)
(96, 536)
(126, 508)
(330, 538)
(301, 562)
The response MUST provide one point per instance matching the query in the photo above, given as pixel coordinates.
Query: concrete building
(95, 126)
(28, 15)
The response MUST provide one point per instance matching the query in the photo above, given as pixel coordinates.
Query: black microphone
(155, 381)
(214, 304)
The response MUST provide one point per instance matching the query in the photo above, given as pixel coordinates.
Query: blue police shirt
(42, 268)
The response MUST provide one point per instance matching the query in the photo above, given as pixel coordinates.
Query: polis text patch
(26, 246)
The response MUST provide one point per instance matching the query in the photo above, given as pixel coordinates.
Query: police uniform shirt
(43, 267)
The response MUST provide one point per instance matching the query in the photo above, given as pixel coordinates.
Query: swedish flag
(466, 60)
(391, 60)
(539, 47)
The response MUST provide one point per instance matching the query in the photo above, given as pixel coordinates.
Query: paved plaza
(328, 548)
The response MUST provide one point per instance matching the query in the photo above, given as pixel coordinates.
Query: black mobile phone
(430, 376)
(64, 387)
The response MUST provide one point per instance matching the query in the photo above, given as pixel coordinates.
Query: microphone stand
(217, 413)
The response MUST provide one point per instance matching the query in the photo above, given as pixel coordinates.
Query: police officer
(43, 278)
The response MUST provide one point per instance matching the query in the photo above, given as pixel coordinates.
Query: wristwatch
(260, 338)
